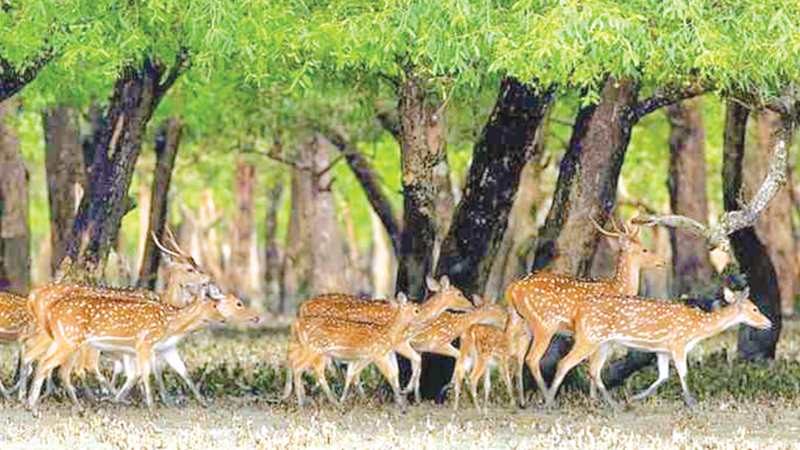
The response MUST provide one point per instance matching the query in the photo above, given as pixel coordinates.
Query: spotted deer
(323, 338)
(670, 329)
(16, 325)
(444, 297)
(482, 347)
(137, 328)
(439, 335)
(547, 302)
(187, 280)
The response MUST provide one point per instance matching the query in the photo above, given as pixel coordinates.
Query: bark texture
(481, 218)
(166, 148)
(774, 226)
(65, 170)
(273, 256)
(691, 267)
(587, 182)
(422, 152)
(114, 150)
(14, 237)
(242, 268)
(750, 252)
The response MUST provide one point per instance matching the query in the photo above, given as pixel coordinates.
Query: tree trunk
(327, 249)
(505, 146)
(14, 235)
(64, 164)
(166, 148)
(422, 151)
(752, 255)
(587, 182)
(297, 263)
(692, 269)
(115, 149)
(774, 226)
(240, 269)
(272, 256)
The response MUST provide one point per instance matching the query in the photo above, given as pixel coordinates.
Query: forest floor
(740, 406)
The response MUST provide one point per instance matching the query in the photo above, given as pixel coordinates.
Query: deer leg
(131, 376)
(405, 350)
(173, 358)
(463, 364)
(541, 342)
(520, 367)
(596, 362)
(57, 355)
(65, 374)
(143, 359)
(387, 365)
(506, 375)
(478, 370)
(320, 363)
(579, 351)
(680, 366)
(663, 375)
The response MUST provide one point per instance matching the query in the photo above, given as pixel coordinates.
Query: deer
(483, 346)
(138, 328)
(547, 302)
(670, 329)
(323, 338)
(444, 297)
(439, 335)
(16, 325)
(187, 280)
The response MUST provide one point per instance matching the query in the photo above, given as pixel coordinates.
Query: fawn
(670, 329)
(548, 302)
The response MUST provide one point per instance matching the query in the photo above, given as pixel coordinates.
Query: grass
(741, 406)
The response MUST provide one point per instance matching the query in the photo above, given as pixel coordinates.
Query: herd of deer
(66, 324)
(599, 313)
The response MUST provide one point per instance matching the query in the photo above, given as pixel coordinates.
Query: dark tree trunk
(64, 163)
(481, 217)
(587, 183)
(14, 234)
(114, 151)
(480, 221)
(166, 148)
(272, 257)
(421, 153)
(692, 269)
(751, 254)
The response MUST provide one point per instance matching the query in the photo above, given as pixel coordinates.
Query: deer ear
(401, 297)
(445, 282)
(730, 296)
(477, 300)
(432, 284)
(745, 294)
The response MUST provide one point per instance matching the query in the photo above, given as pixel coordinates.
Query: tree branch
(746, 216)
(368, 178)
(667, 96)
(12, 80)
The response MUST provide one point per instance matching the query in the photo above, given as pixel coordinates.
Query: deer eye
(239, 304)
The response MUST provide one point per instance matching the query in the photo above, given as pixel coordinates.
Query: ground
(740, 406)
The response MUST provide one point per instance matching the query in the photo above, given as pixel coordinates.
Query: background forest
(357, 146)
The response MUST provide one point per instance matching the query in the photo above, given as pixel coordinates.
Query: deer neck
(627, 273)
(717, 321)
(190, 318)
(175, 292)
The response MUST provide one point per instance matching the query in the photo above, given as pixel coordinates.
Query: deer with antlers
(137, 328)
(547, 302)
(670, 329)
(187, 280)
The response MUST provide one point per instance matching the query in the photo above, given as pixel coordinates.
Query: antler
(602, 230)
